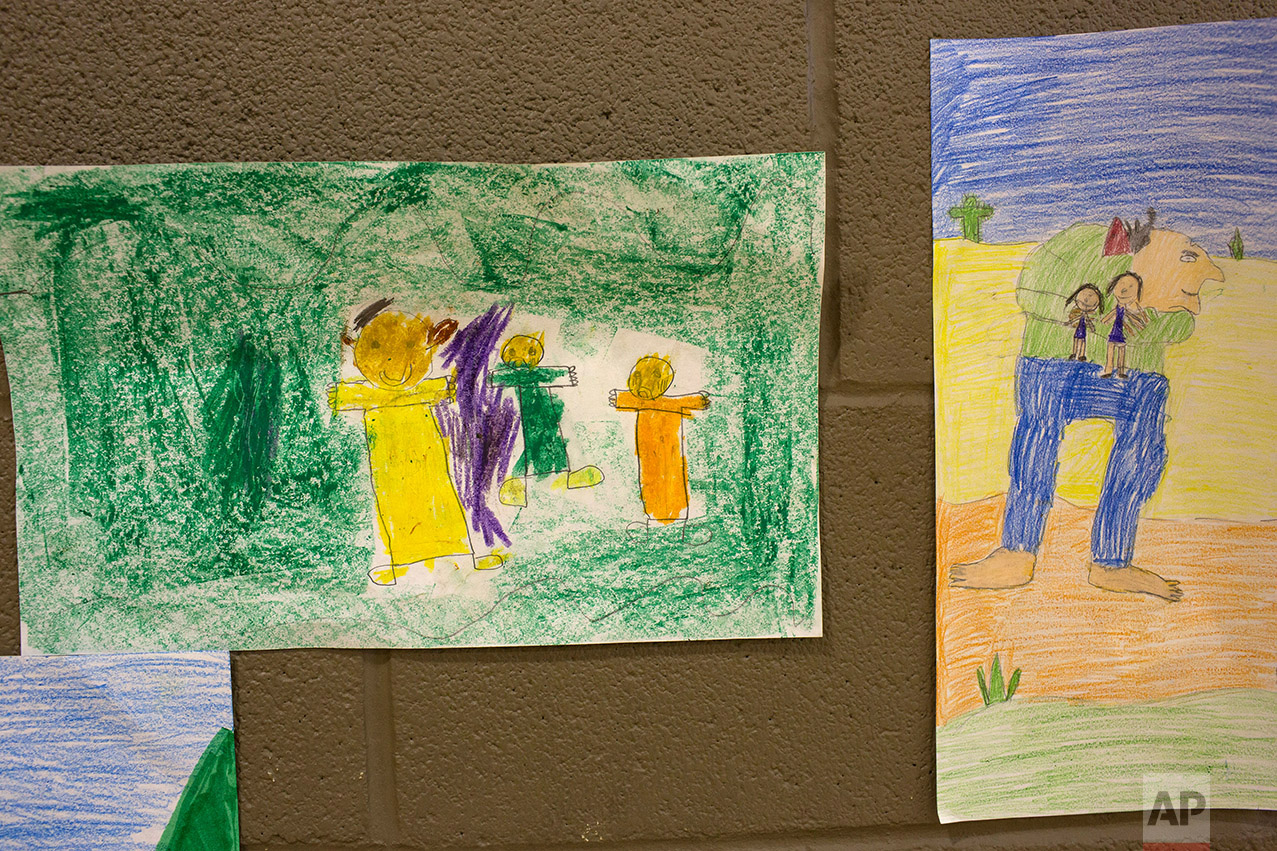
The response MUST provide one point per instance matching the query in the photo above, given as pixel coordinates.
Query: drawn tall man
(1052, 391)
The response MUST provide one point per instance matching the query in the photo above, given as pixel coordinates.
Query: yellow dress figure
(419, 514)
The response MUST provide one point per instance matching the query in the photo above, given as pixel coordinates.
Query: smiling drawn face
(1088, 300)
(394, 351)
(1174, 270)
(522, 350)
(1126, 288)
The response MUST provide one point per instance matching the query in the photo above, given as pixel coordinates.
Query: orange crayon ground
(1077, 642)
(658, 438)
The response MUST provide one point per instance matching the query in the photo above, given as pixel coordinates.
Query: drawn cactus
(971, 212)
(1236, 247)
(995, 690)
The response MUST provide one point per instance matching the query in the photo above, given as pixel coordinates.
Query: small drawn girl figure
(1086, 301)
(1127, 317)
(419, 514)
(658, 437)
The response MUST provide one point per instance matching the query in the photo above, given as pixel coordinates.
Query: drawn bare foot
(1002, 568)
(1134, 579)
(491, 561)
(697, 535)
(586, 477)
(513, 491)
(387, 574)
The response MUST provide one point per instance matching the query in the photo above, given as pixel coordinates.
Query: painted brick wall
(821, 744)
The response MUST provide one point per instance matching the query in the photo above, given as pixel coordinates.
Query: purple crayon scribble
(484, 424)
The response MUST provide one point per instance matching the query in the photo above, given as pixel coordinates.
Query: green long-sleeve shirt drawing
(544, 449)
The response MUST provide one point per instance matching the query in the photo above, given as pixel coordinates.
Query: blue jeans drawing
(1050, 395)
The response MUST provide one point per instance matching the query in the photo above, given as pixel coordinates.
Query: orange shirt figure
(658, 436)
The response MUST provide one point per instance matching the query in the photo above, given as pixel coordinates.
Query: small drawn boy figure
(545, 451)
(419, 514)
(658, 437)
(1127, 317)
(1086, 301)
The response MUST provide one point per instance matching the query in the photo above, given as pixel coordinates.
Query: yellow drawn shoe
(586, 477)
(513, 491)
(489, 562)
(388, 574)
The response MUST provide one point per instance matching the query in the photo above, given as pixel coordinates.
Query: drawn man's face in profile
(1174, 269)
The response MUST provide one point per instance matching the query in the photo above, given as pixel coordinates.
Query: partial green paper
(127, 752)
(414, 404)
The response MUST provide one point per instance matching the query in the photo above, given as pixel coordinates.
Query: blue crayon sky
(1052, 131)
(95, 750)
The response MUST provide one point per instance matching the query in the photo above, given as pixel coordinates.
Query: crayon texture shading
(117, 752)
(270, 405)
(1105, 457)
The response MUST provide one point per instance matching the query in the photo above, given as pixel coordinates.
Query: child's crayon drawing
(371, 404)
(545, 451)
(419, 513)
(1105, 364)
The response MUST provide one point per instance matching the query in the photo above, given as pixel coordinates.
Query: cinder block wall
(816, 744)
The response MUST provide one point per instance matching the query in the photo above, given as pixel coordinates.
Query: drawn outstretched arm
(361, 396)
(352, 396)
(1040, 304)
(1174, 326)
(1137, 318)
(428, 392)
(624, 400)
(534, 376)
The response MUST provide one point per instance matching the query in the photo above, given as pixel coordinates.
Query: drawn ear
(442, 332)
(1118, 240)
(346, 339)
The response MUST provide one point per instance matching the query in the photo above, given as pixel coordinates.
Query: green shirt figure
(545, 451)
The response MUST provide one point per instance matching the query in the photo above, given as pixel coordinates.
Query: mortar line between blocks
(822, 107)
(379, 749)
(1044, 833)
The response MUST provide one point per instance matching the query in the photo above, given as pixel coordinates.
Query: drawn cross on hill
(971, 212)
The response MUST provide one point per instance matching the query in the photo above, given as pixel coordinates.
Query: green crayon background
(171, 331)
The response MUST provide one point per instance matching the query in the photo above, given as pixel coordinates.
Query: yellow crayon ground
(1221, 434)
(1210, 524)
